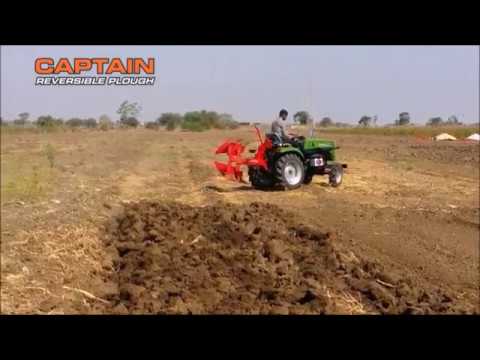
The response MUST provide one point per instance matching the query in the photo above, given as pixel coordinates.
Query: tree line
(304, 118)
(198, 120)
(128, 118)
(48, 121)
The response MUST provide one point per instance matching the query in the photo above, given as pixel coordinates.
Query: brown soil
(249, 259)
(403, 228)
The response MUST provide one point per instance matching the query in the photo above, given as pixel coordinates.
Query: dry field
(138, 221)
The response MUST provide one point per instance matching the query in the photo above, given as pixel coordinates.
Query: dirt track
(403, 231)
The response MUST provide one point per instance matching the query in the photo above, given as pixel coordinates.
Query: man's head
(283, 114)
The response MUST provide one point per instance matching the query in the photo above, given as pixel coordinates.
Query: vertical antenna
(310, 105)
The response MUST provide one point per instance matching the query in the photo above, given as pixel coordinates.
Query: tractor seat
(274, 138)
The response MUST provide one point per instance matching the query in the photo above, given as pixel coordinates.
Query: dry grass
(345, 303)
(52, 271)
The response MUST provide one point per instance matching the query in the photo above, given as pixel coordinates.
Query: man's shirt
(278, 129)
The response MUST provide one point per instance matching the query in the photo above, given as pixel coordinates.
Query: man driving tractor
(277, 128)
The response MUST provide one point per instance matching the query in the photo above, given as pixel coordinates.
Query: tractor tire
(308, 177)
(260, 179)
(290, 171)
(336, 175)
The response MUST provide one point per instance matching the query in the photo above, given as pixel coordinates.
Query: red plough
(234, 151)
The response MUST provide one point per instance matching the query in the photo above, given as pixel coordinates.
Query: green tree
(453, 120)
(403, 119)
(365, 121)
(195, 121)
(302, 117)
(46, 121)
(128, 110)
(170, 120)
(326, 122)
(435, 121)
(22, 119)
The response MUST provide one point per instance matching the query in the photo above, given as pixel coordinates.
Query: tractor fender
(288, 150)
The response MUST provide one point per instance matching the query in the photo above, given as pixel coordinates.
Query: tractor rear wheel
(260, 179)
(289, 171)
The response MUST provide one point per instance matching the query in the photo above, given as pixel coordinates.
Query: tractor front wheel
(290, 171)
(336, 175)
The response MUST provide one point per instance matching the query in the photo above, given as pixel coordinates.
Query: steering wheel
(297, 137)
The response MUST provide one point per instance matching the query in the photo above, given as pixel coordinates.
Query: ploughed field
(138, 221)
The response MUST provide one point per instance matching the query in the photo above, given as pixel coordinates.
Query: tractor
(288, 165)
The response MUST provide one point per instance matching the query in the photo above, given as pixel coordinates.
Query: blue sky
(254, 82)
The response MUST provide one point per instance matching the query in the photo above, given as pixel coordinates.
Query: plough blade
(222, 149)
(231, 169)
(222, 168)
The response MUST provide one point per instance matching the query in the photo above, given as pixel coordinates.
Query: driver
(277, 127)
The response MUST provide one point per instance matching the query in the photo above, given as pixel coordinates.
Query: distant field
(460, 132)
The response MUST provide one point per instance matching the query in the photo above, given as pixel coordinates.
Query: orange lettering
(44, 61)
(100, 62)
(130, 65)
(147, 68)
(116, 66)
(82, 65)
(63, 66)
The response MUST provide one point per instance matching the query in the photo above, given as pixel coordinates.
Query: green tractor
(289, 165)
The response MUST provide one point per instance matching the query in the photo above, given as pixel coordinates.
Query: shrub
(50, 154)
(435, 121)
(74, 122)
(129, 122)
(152, 125)
(453, 120)
(194, 121)
(227, 121)
(19, 122)
(90, 123)
(104, 123)
(326, 122)
(204, 120)
(48, 122)
(170, 120)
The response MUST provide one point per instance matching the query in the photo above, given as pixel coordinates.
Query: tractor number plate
(317, 162)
